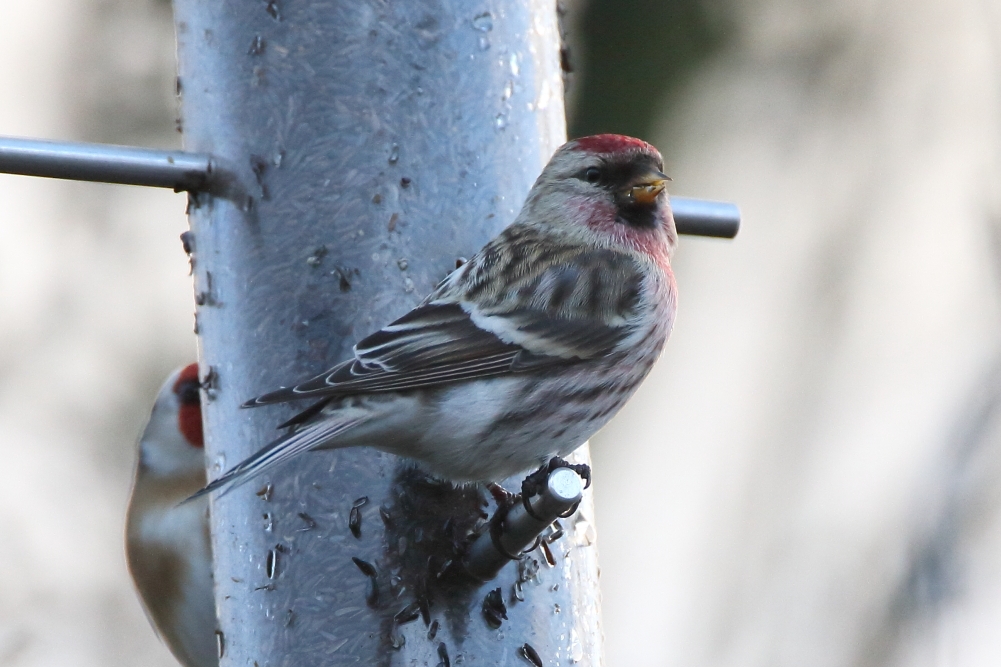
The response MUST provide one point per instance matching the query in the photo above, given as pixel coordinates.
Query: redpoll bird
(525, 350)
(167, 544)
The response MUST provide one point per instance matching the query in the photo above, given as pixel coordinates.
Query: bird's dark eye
(187, 392)
(592, 175)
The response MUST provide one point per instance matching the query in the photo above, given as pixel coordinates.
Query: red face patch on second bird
(189, 413)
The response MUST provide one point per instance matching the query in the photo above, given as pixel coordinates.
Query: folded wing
(576, 308)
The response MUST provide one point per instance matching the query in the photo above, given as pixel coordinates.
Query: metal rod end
(701, 217)
(519, 529)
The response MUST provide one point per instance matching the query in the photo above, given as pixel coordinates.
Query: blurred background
(809, 477)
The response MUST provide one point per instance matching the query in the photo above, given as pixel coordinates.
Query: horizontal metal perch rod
(107, 164)
(181, 170)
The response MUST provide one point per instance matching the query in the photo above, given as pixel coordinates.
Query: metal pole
(384, 141)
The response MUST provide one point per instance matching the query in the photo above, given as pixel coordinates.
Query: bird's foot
(534, 483)
(505, 501)
(501, 495)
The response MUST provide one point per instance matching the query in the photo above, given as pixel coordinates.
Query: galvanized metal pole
(380, 142)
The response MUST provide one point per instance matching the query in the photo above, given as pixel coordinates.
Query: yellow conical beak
(648, 187)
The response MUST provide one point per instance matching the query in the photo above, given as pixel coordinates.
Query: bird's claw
(501, 495)
(505, 501)
(535, 482)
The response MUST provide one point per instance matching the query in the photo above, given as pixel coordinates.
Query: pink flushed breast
(652, 243)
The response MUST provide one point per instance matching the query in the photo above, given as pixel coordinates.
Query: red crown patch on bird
(610, 143)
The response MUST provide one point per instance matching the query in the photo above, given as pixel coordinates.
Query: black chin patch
(618, 177)
(641, 216)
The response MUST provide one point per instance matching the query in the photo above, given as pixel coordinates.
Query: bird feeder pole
(378, 143)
